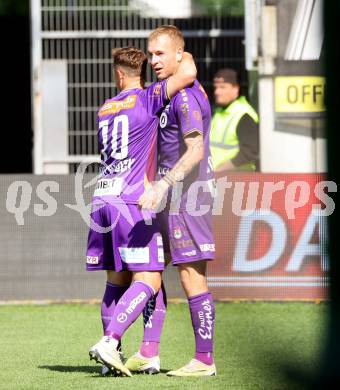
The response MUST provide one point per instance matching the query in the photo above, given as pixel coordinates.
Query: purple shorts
(130, 245)
(187, 238)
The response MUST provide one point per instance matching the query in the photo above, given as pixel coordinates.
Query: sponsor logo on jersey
(157, 89)
(180, 244)
(163, 120)
(163, 170)
(207, 247)
(185, 108)
(92, 259)
(184, 95)
(116, 106)
(122, 166)
(160, 253)
(135, 302)
(134, 255)
(109, 187)
(177, 233)
(190, 253)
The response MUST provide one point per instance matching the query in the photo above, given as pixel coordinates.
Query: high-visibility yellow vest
(224, 143)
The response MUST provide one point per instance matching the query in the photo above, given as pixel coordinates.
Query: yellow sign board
(299, 94)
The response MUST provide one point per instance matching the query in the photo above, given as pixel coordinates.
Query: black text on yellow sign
(299, 94)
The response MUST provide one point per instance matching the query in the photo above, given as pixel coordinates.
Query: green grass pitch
(46, 347)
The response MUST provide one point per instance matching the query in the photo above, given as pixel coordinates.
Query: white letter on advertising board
(304, 248)
(244, 239)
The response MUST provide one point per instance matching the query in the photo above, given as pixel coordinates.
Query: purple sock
(111, 296)
(153, 315)
(202, 312)
(205, 357)
(129, 307)
(149, 349)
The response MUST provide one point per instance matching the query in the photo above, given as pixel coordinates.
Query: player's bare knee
(152, 278)
(186, 286)
(193, 278)
(184, 277)
(119, 278)
(198, 268)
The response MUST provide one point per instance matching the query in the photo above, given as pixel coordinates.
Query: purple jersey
(127, 133)
(189, 110)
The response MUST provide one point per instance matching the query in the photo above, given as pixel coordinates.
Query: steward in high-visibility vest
(234, 142)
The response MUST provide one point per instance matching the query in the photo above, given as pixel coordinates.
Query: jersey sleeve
(156, 97)
(188, 112)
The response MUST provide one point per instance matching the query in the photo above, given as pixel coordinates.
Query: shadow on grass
(285, 368)
(162, 371)
(87, 369)
(60, 368)
(277, 356)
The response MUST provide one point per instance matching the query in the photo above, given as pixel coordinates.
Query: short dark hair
(228, 75)
(133, 60)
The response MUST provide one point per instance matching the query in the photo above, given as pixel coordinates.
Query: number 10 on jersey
(121, 123)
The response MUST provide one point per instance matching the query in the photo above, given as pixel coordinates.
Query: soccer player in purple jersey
(120, 241)
(184, 159)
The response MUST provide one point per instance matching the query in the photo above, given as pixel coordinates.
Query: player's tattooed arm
(192, 156)
(185, 75)
(152, 198)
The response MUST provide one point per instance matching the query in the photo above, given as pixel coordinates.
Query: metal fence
(82, 33)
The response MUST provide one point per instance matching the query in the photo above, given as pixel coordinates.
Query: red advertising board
(271, 237)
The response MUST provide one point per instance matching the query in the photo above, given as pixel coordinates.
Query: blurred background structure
(71, 53)
(291, 87)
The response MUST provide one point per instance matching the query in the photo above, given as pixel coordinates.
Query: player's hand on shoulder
(184, 76)
(186, 56)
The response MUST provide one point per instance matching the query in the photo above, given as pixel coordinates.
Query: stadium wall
(275, 252)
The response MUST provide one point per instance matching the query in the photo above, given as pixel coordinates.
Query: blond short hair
(171, 31)
(133, 60)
